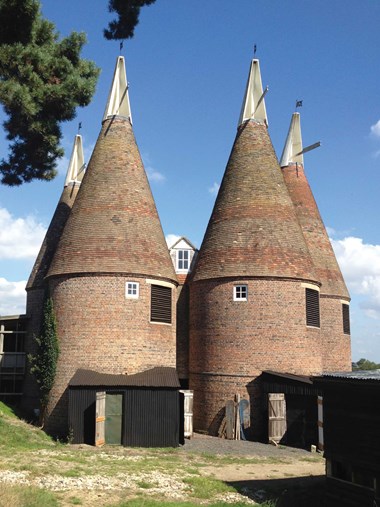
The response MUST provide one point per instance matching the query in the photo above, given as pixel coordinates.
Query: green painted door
(114, 412)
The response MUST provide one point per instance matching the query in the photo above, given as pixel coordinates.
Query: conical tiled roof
(74, 176)
(114, 225)
(253, 229)
(317, 240)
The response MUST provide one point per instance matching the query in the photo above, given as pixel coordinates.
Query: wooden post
(230, 420)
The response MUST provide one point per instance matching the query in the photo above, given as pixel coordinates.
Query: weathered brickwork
(265, 232)
(243, 338)
(253, 229)
(182, 329)
(52, 237)
(100, 329)
(114, 225)
(314, 231)
(336, 344)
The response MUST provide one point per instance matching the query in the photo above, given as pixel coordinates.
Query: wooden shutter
(161, 304)
(276, 416)
(312, 308)
(346, 319)
(100, 418)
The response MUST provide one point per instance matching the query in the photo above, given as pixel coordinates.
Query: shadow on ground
(289, 492)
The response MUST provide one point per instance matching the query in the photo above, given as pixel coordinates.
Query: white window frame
(239, 290)
(183, 270)
(132, 290)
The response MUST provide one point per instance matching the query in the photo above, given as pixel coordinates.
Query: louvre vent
(346, 319)
(161, 304)
(312, 308)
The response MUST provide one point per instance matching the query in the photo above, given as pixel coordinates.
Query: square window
(132, 290)
(183, 260)
(240, 292)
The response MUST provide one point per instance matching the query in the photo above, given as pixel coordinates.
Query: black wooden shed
(351, 422)
(292, 408)
(141, 410)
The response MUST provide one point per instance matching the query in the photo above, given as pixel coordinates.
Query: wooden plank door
(100, 417)
(276, 417)
(321, 444)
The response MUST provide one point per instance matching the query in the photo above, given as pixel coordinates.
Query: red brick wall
(100, 329)
(336, 344)
(183, 331)
(237, 340)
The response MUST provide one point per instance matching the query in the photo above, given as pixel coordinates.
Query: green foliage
(365, 364)
(128, 12)
(44, 363)
(42, 81)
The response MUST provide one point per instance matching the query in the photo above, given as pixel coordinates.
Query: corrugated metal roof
(155, 377)
(290, 376)
(355, 375)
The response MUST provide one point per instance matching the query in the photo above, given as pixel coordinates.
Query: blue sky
(187, 67)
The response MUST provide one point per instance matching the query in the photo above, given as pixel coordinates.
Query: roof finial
(253, 103)
(79, 126)
(121, 46)
(254, 50)
(298, 103)
(118, 99)
(75, 171)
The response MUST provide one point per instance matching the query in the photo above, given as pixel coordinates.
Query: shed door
(100, 418)
(276, 416)
(114, 414)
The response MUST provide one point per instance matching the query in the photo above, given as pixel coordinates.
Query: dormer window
(183, 260)
(241, 293)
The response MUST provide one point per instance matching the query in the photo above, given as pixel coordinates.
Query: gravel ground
(221, 446)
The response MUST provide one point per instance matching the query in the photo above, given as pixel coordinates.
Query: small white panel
(118, 99)
(160, 282)
(75, 171)
(293, 145)
(253, 104)
(310, 286)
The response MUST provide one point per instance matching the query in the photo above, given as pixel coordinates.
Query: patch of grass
(16, 434)
(6, 410)
(26, 496)
(73, 472)
(313, 459)
(75, 500)
(207, 487)
(144, 485)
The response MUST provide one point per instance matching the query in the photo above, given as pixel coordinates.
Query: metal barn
(141, 410)
(351, 422)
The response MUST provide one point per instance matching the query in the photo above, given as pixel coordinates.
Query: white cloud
(12, 297)
(375, 129)
(20, 238)
(214, 189)
(360, 265)
(154, 175)
(171, 239)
